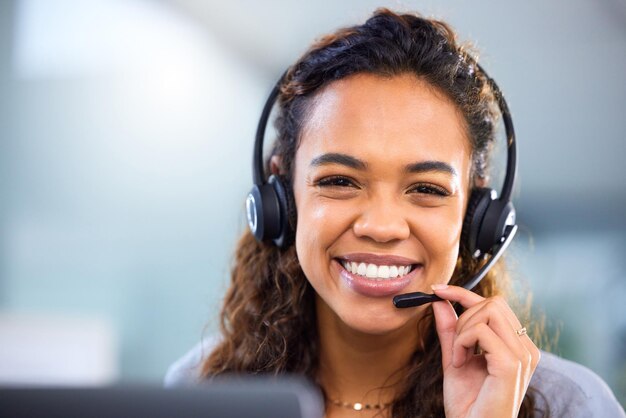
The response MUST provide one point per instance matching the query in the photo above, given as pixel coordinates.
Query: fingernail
(438, 286)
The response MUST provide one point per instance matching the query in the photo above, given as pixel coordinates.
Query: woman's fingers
(445, 323)
(465, 297)
(492, 314)
(506, 322)
(498, 304)
(513, 364)
(497, 314)
(501, 361)
(492, 325)
(500, 309)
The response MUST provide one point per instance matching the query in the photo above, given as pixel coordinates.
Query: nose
(382, 220)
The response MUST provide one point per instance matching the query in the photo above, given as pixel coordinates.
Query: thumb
(445, 322)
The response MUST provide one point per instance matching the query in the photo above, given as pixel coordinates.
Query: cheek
(440, 234)
(320, 224)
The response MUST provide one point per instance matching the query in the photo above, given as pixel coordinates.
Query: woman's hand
(492, 384)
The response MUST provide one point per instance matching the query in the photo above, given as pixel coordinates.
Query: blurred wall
(126, 132)
(121, 119)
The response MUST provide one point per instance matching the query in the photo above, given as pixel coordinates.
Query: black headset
(488, 227)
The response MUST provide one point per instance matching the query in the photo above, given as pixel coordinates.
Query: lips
(375, 286)
(378, 259)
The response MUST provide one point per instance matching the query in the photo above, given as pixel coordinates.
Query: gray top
(571, 390)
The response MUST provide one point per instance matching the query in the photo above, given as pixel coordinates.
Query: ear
(481, 181)
(276, 165)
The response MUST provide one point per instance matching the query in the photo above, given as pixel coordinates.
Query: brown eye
(336, 181)
(430, 189)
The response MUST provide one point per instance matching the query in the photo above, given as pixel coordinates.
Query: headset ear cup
(292, 213)
(477, 206)
(254, 213)
(499, 215)
(287, 211)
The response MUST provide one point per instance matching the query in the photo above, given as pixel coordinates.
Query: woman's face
(381, 182)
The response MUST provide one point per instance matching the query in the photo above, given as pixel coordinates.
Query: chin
(379, 321)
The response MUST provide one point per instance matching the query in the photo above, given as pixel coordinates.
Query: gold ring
(521, 331)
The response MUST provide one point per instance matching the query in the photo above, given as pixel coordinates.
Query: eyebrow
(341, 159)
(353, 162)
(429, 166)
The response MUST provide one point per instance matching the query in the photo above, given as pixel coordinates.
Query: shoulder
(572, 390)
(569, 389)
(186, 370)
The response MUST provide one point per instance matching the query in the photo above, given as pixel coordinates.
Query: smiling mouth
(377, 272)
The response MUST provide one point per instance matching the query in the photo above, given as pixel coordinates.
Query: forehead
(400, 118)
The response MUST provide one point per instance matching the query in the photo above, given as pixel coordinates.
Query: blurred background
(126, 131)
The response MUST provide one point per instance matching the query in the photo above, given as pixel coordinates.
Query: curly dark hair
(268, 320)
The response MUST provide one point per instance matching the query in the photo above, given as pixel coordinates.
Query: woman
(384, 130)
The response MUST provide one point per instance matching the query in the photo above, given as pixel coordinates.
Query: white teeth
(393, 272)
(374, 272)
(362, 269)
(383, 272)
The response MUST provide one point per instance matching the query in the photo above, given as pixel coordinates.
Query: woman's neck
(355, 366)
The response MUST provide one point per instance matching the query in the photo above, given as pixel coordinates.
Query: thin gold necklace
(359, 406)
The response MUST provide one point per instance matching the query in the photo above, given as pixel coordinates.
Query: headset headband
(258, 176)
